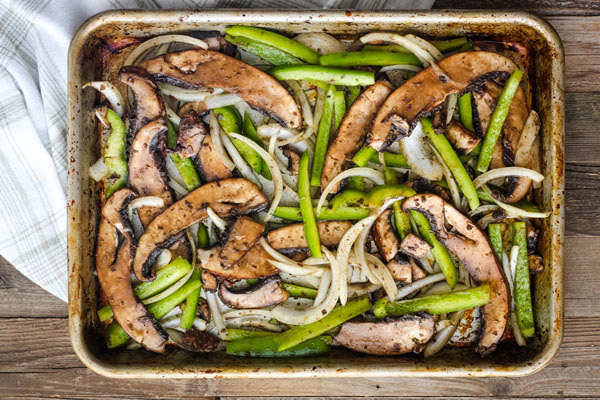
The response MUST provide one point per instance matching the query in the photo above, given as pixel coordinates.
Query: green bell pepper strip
(454, 164)
(356, 183)
(435, 304)
(105, 313)
(114, 155)
(332, 75)
(465, 110)
(339, 107)
(337, 316)
(401, 220)
(348, 198)
(360, 58)
(231, 121)
(115, 335)
(352, 93)
(308, 214)
(270, 54)
(300, 291)
(275, 40)
(495, 235)
(369, 154)
(380, 194)
(186, 321)
(327, 214)
(440, 253)
(250, 131)
(322, 141)
(464, 47)
(266, 346)
(497, 120)
(203, 239)
(239, 334)
(441, 45)
(522, 285)
(185, 166)
(165, 277)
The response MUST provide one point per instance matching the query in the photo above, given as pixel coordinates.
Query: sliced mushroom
(536, 263)
(290, 239)
(253, 265)
(267, 293)
(149, 104)
(195, 340)
(209, 163)
(115, 279)
(190, 135)
(215, 41)
(199, 107)
(401, 270)
(383, 234)
(244, 233)
(193, 69)
(352, 131)
(209, 282)
(234, 196)
(473, 249)
(391, 337)
(115, 212)
(462, 139)
(417, 272)
(293, 160)
(414, 246)
(427, 91)
(484, 101)
(147, 174)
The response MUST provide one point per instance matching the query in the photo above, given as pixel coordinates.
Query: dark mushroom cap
(383, 234)
(290, 239)
(266, 293)
(149, 104)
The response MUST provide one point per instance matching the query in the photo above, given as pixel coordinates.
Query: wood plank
(582, 200)
(49, 368)
(541, 7)
(582, 117)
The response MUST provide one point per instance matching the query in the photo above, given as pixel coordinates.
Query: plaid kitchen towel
(34, 38)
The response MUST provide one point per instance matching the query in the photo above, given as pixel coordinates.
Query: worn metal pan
(546, 74)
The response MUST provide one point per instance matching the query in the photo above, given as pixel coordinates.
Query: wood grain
(541, 7)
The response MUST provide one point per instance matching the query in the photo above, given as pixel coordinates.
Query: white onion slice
(419, 156)
(173, 172)
(361, 259)
(450, 106)
(483, 209)
(98, 171)
(215, 135)
(323, 287)
(484, 221)
(188, 95)
(217, 317)
(132, 59)
(273, 168)
(418, 285)
(164, 258)
(179, 190)
(295, 270)
(431, 49)
(146, 201)
(527, 139)
(442, 337)
(452, 185)
(172, 116)
(443, 288)
(266, 314)
(320, 42)
(218, 221)
(384, 274)
(515, 212)
(302, 101)
(423, 56)
(403, 67)
(507, 171)
(170, 290)
(238, 160)
(222, 100)
(112, 94)
(369, 173)
(319, 105)
(308, 281)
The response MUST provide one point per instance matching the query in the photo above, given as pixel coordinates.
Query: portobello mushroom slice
(115, 211)
(253, 265)
(401, 270)
(414, 246)
(147, 175)
(209, 163)
(427, 90)
(115, 278)
(234, 196)
(244, 234)
(290, 239)
(269, 292)
(485, 100)
(209, 282)
(352, 131)
(383, 234)
(393, 336)
(149, 104)
(293, 160)
(190, 135)
(462, 139)
(472, 248)
(192, 69)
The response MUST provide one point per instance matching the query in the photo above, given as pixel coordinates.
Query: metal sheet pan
(547, 77)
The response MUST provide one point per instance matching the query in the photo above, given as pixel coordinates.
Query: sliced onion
(238, 160)
(423, 55)
(509, 270)
(507, 171)
(146, 201)
(215, 135)
(302, 101)
(221, 100)
(249, 322)
(320, 42)
(319, 105)
(170, 290)
(369, 173)
(318, 311)
(112, 94)
(133, 58)
(450, 107)
(288, 265)
(308, 281)
(299, 303)
(323, 287)
(443, 288)
(217, 317)
(188, 95)
(275, 173)
(172, 116)
(442, 337)
(452, 185)
(164, 258)
(98, 171)
(403, 67)
(361, 259)
(173, 172)
(419, 156)
(515, 212)
(431, 49)
(384, 274)
(359, 289)
(527, 139)
(179, 190)
(514, 256)
(484, 221)
(418, 285)
(265, 314)
(483, 209)
(218, 221)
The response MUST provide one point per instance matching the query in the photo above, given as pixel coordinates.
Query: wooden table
(36, 358)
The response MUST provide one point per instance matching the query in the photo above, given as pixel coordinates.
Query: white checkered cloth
(34, 38)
